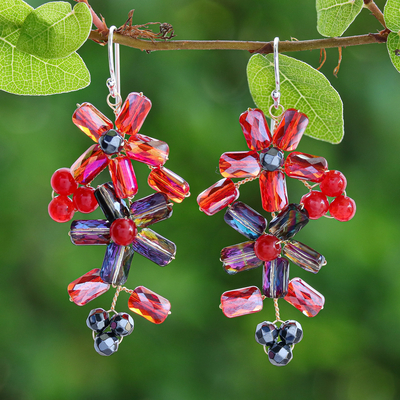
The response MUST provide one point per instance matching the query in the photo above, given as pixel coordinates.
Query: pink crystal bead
(133, 113)
(239, 164)
(123, 177)
(89, 165)
(273, 190)
(165, 181)
(306, 166)
(290, 130)
(255, 129)
(91, 121)
(147, 150)
(247, 300)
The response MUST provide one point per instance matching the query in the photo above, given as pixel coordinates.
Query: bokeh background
(350, 351)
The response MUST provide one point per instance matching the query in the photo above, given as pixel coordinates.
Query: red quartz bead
(247, 300)
(255, 129)
(273, 190)
(147, 150)
(290, 130)
(315, 203)
(84, 200)
(305, 166)
(123, 177)
(123, 231)
(239, 164)
(342, 208)
(61, 209)
(333, 184)
(267, 247)
(63, 182)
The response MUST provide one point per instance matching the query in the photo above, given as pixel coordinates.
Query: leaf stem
(376, 12)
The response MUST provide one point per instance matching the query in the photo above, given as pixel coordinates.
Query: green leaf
(391, 14)
(55, 30)
(393, 46)
(303, 88)
(335, 16)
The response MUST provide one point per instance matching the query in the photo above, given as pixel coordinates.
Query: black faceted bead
(111, 142)
(280, 354)
(271, 159)
(106, 343)
(266, 333)
(122, 324)
(291, 332)
(98, 320)
(112, 207)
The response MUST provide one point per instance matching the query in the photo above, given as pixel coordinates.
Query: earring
(274, 247)
(125, 229)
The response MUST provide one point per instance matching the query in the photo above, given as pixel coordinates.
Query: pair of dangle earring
(125, 229)
(272, 247)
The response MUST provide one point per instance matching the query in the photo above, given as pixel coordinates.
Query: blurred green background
(350, 351)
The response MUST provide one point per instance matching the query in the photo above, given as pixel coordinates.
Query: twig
(376, 12)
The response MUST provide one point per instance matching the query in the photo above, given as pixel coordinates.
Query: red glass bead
(63, 182)
(255, 129)
(123, 177)
(133, 113)
(333, 184)
(247, 300)
(315, 203)
(290, 130)
(123, 231)
(342, 208)
(91, 121)
(217, 196)
(304, 297)
(239, 164)
(87, 287)
(61, 209)
(147, 150)
(267, 247)
(84, 200)
(165, 181)
(305, 166)
(149, 305)
(273, 190)
(89, 165)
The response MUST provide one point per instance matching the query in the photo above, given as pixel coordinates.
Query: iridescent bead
(275, 278)
(98, 320)
(239, 164)
(90, 232)
(239, 257)
(147, 150)
(245, 220)
(273, 190)
(116, 264)
(304, 256)
(247, 300)
(122, 324)
(305, 166)
(123, 177)
(255, 129)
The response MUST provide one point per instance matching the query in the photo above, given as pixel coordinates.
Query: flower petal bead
(239, 164)
(275, 278)
(61, 209)
(147, 150)
(133, 113)
(333, 184)
(289, 221)
(239, 257)
(149, 305)
(255, 129)
(62, 182)
(306, 299)
(84, 200)
(343, 208)
(315, 203)
(91, 121)
(304, 256)
(306, 166)
(273, 190)
(116, 264)
(247, 300)
(165, 181)
(87, 287)
(89, 165)
(90, 232)
(123, 177)
(245, 220)
(217, 196)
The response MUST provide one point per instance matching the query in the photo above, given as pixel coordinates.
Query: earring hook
(276, 94)
(113, 82)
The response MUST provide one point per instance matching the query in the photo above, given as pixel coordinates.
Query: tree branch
(376, 12)
(252, 47)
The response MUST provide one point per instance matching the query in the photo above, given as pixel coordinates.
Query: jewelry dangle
(125, 229)
(272, 247)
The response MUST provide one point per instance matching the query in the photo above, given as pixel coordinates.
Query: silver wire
(276, 94)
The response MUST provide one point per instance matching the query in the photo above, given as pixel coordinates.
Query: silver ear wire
(113, 82)
(276, 94)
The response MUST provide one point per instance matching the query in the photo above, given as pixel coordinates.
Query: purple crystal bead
(304, 256)
(239, 257)
(116, 264)
(289, 221)
(155, 247)
(151, 209)
(276, 278)
(245, 220)
(89, 232)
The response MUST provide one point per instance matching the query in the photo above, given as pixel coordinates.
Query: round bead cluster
(280, 341)
(109, 331)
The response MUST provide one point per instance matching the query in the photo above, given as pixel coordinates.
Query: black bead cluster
(280, 341)
(109, 331)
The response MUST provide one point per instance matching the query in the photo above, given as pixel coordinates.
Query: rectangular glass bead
(239, 257)
(90, 232)
(276, 278)
(247, 300)
(116, 264)
(304, 256)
